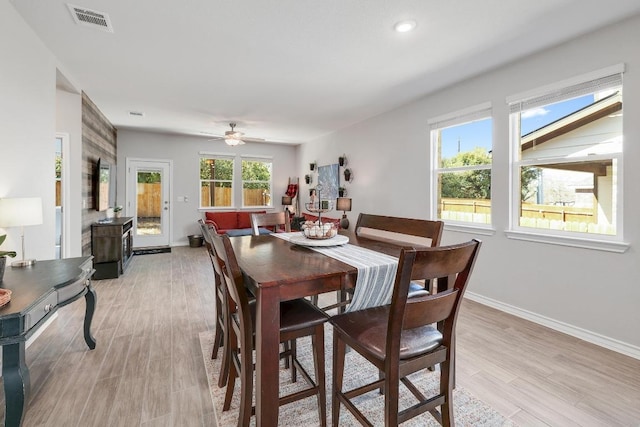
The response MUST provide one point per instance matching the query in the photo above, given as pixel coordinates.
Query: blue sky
(478, 134)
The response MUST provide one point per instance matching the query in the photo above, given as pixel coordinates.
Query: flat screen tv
(103, 182)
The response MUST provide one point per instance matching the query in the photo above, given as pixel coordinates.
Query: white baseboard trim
(583, 334)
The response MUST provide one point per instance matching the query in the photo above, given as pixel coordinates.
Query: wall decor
(329, 178)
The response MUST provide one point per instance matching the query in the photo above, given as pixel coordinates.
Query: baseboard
(583, 334)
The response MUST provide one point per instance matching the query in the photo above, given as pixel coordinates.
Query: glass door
(148, 202)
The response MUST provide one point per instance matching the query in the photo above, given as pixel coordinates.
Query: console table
(111, 246)
(37, 292)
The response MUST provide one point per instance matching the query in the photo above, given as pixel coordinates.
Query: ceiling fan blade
(247, 139)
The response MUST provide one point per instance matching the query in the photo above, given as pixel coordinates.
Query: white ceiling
(292, 70)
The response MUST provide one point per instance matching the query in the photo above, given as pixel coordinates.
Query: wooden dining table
(276, 270)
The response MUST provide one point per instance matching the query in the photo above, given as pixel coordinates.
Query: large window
(567, 155)
(461, 148)
(256, 182)
(216, 182)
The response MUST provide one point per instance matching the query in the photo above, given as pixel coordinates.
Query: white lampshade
(20, 211)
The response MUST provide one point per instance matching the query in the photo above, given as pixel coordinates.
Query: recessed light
(405, 26)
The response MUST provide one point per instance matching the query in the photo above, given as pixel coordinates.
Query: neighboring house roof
(592, 112)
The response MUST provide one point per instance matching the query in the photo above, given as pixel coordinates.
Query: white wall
(183, 151)
(589, 293)
(27, 128)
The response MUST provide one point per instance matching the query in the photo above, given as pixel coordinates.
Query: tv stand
(111, 245)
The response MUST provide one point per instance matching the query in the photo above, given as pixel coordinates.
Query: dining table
(278, 270)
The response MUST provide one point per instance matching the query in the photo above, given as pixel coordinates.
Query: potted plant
(342, 191)
(347, 175)
(3, 256)
(117, 211)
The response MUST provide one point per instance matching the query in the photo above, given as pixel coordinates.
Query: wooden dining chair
(221, 335)
(411, 231)
(402, 231)
(298, 318)
(273, 221)
(401, 338)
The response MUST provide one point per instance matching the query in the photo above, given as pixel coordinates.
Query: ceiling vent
(91, 18)
(136, 113)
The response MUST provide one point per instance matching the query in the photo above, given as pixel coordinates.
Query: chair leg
(231, 385)
(226, 359)
(246, 386)
(218, 339)
(292, 356)
(391, 396)
(447, 376)
(317, 341)
(338, 372)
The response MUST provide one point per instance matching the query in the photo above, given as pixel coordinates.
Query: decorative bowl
(319, 231)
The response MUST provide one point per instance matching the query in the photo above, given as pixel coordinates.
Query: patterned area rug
(468, 410)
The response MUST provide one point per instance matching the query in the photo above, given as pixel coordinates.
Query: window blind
(467, 115)
(557, 94)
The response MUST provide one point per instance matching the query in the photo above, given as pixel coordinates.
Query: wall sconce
(348, 176)
(21, 212)
(312, 166)
(344, 204)
(308, 179)
(342, 160)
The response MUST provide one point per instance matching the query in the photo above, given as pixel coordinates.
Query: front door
(148, 201)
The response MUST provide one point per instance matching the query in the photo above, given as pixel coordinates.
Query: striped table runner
(376, 272)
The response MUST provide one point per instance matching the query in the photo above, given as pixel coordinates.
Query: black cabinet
(111, 245)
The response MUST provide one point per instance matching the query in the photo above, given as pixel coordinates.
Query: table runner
(376, 272)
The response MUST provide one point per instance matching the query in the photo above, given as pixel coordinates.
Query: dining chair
(274, 221)
(221, 335)
(298, 318)
(403, 231)
(400, 338)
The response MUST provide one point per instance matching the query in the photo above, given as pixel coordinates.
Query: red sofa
(225, 221)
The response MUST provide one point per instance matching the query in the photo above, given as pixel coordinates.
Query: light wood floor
(147, 368)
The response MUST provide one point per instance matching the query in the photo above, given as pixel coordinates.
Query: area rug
(468, 410)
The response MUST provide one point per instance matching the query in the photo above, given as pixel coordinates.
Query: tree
(256, 174)
(475, 184)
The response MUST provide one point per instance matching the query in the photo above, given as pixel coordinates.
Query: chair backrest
(272, 221)
(231, 274)
(454, 262)
(408, 230)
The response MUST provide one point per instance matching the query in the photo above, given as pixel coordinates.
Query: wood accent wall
(99, 140)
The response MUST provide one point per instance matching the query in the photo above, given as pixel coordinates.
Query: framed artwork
(329, 178)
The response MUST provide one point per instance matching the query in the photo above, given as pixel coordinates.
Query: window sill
(599, 245)
(470, 228)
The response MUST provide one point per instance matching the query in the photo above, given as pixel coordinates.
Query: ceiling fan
(233, 137)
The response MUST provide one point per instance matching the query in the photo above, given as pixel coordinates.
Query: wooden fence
(150, 198)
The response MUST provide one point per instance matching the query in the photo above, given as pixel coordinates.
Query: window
(567, 155)
(216, 182)
(256, 182)
(461, 144)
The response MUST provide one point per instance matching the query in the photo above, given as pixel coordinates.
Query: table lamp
(286, 202)
(21, 212)
(344, 204)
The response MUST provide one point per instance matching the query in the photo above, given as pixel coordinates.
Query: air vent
(91, 18)
(136, 113)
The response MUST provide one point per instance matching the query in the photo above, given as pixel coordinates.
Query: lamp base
(23, 263)
(344, 222)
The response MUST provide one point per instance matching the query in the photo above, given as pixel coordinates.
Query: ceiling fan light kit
(233, 137)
